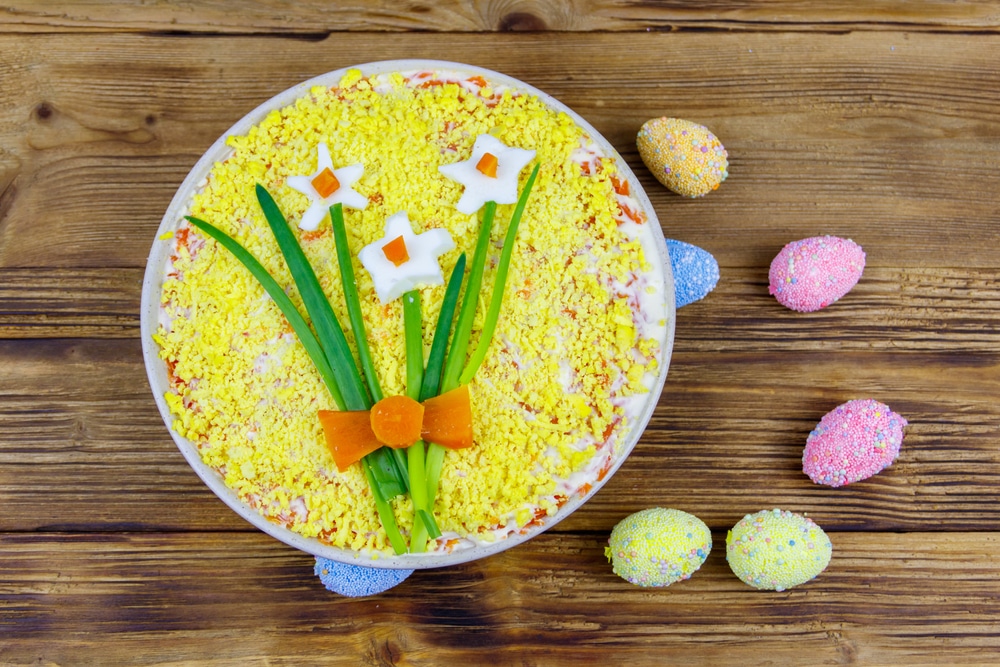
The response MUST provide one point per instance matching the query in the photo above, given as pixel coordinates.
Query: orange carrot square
(487, 165)
(395, 251)
(326, 183)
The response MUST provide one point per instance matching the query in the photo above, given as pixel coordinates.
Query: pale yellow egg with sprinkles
(684, 156)
(657, 547)
(775, 550)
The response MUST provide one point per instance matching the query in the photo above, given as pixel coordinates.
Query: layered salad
(540, 344)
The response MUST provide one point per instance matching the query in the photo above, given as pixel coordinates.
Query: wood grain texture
(314, 18)
(69, 303)
(875, 121)
(551, 601)
(870, 136)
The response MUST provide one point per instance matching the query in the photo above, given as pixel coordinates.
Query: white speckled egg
(774, 550)
(684, 156)
(657, 547)
(853, 442)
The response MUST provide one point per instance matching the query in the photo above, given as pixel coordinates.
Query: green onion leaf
(434, 464)
(277, 294)
(384, 510)
(434, 456)
(353, 300)
(424, 523)
(418, 495)
(414, 337)
(427, 520)
(388, 466)
(387, 471)
(499, 283)
(431, 385)
(463, 330)
(330, 334)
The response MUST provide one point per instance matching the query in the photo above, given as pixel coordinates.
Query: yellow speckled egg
(774, 550)
(684, 156)
(657, 547)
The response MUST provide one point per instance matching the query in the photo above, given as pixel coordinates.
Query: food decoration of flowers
(399, 440)
(326, 187)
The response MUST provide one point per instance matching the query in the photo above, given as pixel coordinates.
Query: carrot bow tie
(398, 421)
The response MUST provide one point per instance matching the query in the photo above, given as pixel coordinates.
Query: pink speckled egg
(813, 273)
(853, 442)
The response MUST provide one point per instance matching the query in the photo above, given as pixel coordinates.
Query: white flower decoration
(409, 261)
(480, 188)
(318, 188)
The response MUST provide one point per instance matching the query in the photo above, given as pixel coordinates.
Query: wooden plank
(914, 599)
(313, 17)
(82, 446)
(892, 310)
(864, 135)
(69, 303)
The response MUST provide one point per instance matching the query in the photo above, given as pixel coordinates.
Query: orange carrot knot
(397, 420)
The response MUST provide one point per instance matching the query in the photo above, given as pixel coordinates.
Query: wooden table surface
(878, 121)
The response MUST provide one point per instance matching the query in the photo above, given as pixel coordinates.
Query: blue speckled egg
(357, 580)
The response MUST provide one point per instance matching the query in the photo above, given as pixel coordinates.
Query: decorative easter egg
(813, 273)
(657, 547)
(696, 272)
(684, 156)
(853, 442)
(357, 580)
(774, 550)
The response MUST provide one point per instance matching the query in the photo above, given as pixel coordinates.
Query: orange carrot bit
(635, 216)
(315, 234)
(487, 165)
(396, 420)
(395, 251)
(448, 419)
(326, 183)
(620, 186)
(348, 436)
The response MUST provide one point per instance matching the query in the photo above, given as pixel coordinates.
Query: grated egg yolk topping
(571, 346)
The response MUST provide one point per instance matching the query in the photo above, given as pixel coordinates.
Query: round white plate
(157, 371)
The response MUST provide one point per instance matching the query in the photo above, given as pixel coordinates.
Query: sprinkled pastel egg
(774, 550)
(357, 580)
(684, 156)
(696, 271)
(657, 547)
(813, 273)
(853, 442)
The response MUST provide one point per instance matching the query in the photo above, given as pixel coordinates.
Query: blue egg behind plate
(695, 271)
(357, 580)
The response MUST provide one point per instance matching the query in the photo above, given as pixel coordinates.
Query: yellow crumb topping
(568, 351)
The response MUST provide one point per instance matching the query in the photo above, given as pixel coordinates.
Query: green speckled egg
(684, 156)
(657, 547)
(774, 550)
